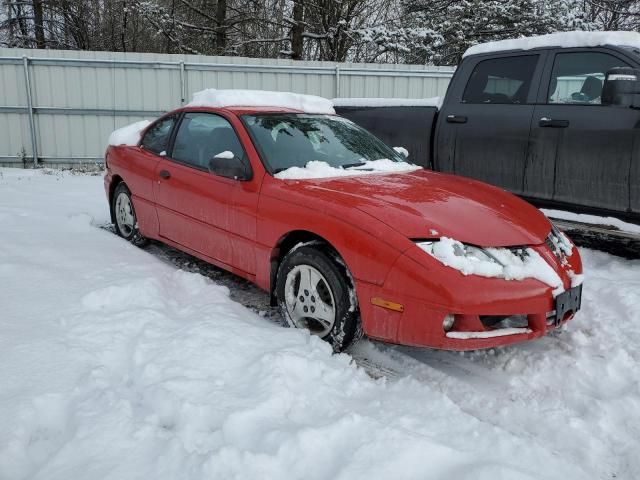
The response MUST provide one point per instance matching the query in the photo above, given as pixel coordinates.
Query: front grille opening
(495, 322)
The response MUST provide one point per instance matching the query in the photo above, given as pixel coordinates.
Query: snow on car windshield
(314, 146)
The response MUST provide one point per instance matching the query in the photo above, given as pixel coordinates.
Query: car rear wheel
(126, 222)
(315, 292)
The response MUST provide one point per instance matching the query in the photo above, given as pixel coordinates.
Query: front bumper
(428, 294)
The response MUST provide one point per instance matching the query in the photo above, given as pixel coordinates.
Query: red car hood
(425, 204)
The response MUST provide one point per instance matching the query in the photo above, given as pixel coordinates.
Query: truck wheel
(126, 222)
(314, 292)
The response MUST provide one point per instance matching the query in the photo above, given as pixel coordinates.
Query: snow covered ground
(114, 363)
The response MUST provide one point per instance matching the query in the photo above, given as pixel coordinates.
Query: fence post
(32, 123)
(182, 83)
(337, 81)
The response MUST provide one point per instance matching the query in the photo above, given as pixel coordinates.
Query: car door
(581, 152)
(483, 129)
(209, 214)
(141, 163)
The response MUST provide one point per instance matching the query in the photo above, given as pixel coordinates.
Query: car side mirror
(622, 87)
(402, 151)
(226, 164)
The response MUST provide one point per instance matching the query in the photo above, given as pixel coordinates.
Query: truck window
(501, 80)
(578, 77)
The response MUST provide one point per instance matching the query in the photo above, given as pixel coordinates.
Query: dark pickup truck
(559, 126)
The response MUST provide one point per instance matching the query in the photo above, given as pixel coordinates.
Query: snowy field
(115, 363)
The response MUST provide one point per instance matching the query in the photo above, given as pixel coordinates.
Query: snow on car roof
(559, 39)
(387, 102)
(215, 98)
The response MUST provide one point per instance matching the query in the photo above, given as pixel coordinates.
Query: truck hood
(424, 204)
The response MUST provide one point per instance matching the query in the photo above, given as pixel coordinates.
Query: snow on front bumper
(484, 308)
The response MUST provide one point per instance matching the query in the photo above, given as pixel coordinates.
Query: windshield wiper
(353, 165)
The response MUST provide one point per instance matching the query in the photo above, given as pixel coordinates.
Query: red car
(346, 236)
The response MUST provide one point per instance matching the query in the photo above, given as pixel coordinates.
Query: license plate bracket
(568, 301)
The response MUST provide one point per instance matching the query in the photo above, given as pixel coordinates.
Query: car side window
(578, 77)
(205, 137)
(156, 139)
(504, 80)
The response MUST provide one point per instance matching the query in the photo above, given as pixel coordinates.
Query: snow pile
(592, 219)
(388, 102)
(118, 365)
(494, 262)
(214, 98)
(318, 169)
(559, 39)
(128, 135)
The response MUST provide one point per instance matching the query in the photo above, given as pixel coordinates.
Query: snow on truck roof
(559, 39)
(212, 97)
(387, 102)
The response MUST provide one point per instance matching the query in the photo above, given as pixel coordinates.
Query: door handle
(164, 174)
(456, 119)
(551, 123)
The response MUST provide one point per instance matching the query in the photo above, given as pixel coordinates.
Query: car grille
(521, 252)
(554, 248)
(558, 245)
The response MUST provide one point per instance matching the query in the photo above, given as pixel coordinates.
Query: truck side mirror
(226, 164)
(622, 87)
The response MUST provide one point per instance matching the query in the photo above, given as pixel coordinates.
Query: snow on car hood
(424, 204)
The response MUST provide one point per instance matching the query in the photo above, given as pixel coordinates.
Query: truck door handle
(164, 174)
(456, 119)
(551, 123)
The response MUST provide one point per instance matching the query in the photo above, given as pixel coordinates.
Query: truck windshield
(293, 140)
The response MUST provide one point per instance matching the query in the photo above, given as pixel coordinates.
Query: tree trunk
(123, 34)
(221, 29)
(38, 19)
(297, 30)
(12, 35)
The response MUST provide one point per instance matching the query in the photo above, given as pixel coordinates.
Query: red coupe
(344, 233)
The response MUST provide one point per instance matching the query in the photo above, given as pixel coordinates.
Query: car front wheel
(315, 292)
(124, 215)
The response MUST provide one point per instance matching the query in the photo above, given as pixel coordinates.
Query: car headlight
(452, 252)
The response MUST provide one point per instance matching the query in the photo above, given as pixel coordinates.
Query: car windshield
(292, 140)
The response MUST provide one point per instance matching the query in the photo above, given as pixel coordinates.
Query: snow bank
(560, 39)
(118, 365)
(318, 169)
(592, 219)
(388, 102)
(500, 262)
(261, 98)
(128, 135)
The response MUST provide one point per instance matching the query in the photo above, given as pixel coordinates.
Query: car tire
(315, 291)
(124, 216)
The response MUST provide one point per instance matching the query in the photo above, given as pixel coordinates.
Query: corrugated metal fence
(62, 105)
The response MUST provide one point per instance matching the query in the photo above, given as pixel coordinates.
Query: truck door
(483, 128)
(581, 151)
